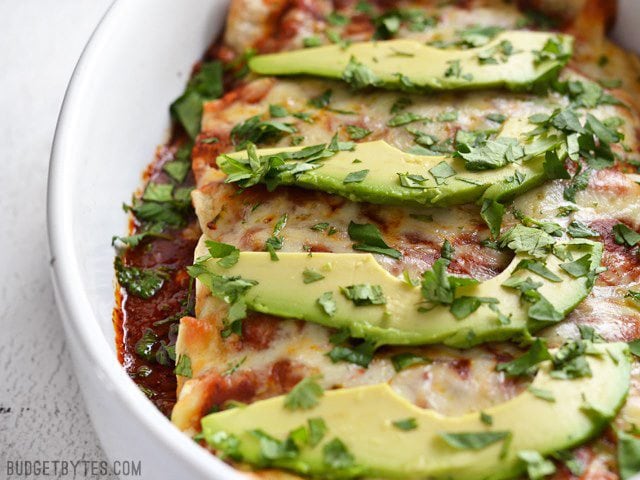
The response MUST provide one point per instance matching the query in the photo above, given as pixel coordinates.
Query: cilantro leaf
(405, 118)
(364, 294)
(473, 440)
(578, 229)
(628, 455)
(358, 75)
(544, 311)
(492, 213)
(254, 130)
(183, 366)
(327, 303)
(321, 100)
(356, 177)
(569, 361)
(357, 133)
(336, 455)
(305, 395)
(143, 283)
(361, 354)
(228, 254)
(317, 430)
(406, 424)
(462, 307)
(625, 236)
(537, 466)
(579, 182)
(438, 288)
(441, 172)
(310, 276)
(578, 268)
(554, 167)
(538, 268)
(369, 239)
(405, 360)
(541, 393)
(526, 364)
(205, 85)
(529, 240)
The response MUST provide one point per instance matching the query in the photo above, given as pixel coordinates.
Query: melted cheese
(455, 382)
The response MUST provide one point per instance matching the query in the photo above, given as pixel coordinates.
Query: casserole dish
(81, 195)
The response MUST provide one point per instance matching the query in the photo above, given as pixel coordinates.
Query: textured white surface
(42, 415)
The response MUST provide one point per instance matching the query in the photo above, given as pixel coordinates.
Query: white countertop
(42, 415)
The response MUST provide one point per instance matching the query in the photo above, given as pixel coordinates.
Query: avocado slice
(517, 60)
(398, 321)
(441, 181)
(362, 418)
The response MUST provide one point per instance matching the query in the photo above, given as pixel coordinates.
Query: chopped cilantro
(312, 41)
(317, 430)
(538, 268)
(492, 213)
(464, 306)
(450, 116)
(473, 440)
(205, 85)
(537, 466)
(356, 177)
(578, 268)
(438, 287)
(579, 182)
(441, 172)
(145, 345)
(336, 455)
(526, 364)
(310, 276)
(322, 100)
(305, 395)
(486, 418)
(402, 361)
(496, 117)
(628, 455)
(277, 111)
(623, 235)
(578, 229)
(254, 130)
(228, 254)
(274, 242)
(369, 239)
(358, 75)
(406, 424)
(183, 366)
(177, 169)
(405, 118)
(361, 354)
(541, 393)
(327, 303)
(357, 133)
(141, 282)
(364, 294)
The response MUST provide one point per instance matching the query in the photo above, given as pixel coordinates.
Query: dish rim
(73, 303)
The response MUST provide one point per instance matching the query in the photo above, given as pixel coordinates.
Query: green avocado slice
(394, 177)
(521, 60)
(362, 419)
(397, 321)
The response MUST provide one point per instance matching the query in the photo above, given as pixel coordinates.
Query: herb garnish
(305, 395)
(368, 238)
(205, 85)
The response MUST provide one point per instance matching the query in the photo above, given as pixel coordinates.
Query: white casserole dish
(114, 115)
